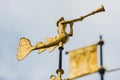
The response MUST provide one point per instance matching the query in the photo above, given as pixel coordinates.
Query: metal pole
(60, 71)
(101, 70)
(60, 57)
(101, 51)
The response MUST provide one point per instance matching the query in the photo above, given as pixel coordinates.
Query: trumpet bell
(100, 9)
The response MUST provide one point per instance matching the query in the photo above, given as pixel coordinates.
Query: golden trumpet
(100, 9)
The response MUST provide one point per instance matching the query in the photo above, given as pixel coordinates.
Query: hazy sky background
(36, 20)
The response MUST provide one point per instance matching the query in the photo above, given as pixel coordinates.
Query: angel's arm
(71, 29)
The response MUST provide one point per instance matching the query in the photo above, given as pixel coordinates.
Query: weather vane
(59, 40)
(25, 46)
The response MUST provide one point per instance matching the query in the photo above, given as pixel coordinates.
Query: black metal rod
(60, 57)
(102, 78)
(101, 51)
(60, 62)
(102, 70)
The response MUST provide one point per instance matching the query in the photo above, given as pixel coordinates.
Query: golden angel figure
(25, 46)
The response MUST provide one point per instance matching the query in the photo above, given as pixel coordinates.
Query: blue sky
(36, 20)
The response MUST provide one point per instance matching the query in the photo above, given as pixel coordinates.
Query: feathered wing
(24, 48)
(51, 47)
